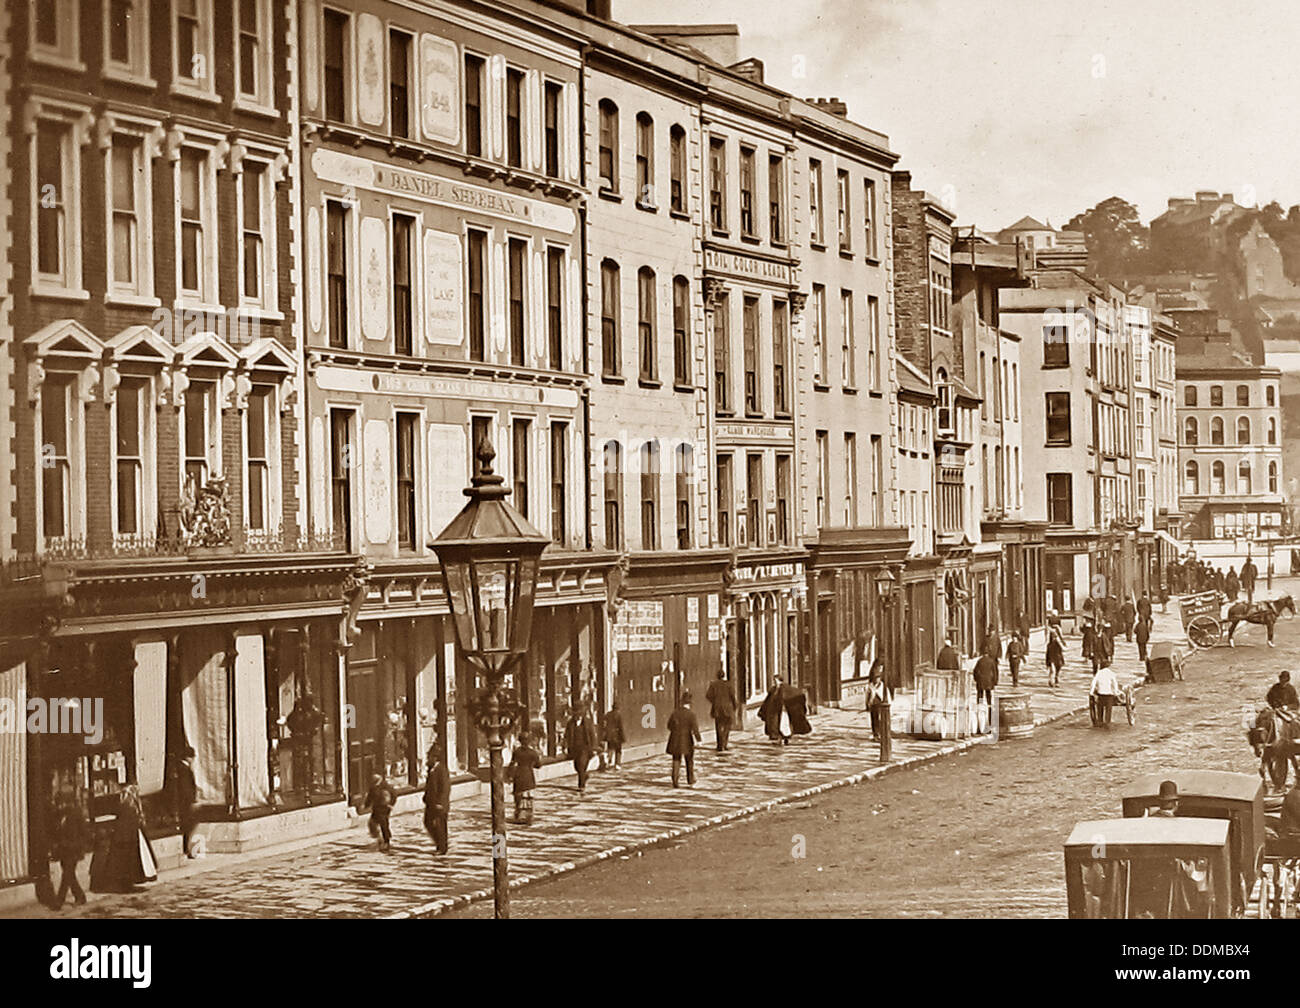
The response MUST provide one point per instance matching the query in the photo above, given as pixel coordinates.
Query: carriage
(1163, 868)
(1200, 615)
(1213, 794)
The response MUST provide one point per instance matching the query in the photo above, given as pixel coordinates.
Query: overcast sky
(1044, 107)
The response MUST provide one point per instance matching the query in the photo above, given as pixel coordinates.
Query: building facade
(1230, 450)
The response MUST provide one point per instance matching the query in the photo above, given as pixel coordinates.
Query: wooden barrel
(1015, 714)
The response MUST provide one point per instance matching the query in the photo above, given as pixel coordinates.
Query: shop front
(667, 630)
(1067, 570)
(1021, 577)
(765, 631)
(853, 621)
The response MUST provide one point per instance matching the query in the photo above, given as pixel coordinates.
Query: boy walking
(523, 767)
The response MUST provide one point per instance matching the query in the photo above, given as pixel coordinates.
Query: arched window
(1243, 395)
(1216, 478)
(1216, 395)
(607, 157)
(1243, 477)
(1272, 477)
(645, 160)
(1272, 430)
(1190, 433)
(645, 325)
(1192, 479)
(613, 495)
(609, 309)
(1216, 431)
(1243, 430)
(1189, 395)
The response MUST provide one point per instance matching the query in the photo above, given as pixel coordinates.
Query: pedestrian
(722, 708)
(683, 733)
(1022, 626)
(993, 643)
(1232, 585)
(1249, 573)
(1168, 802)
(1103, 647)
(68, 846)
(948, 659)
(380, 800)
(1054, 619)
(580, 743)
(186, 801)
(986, 678)
(1089, 638)
(1144, 607)
(523, 770)
(1127, 613)
(437, 798)
(1104, 688)
(879, 697)
(613, 736)
(776, 720)
(1164, 597)
(1015, 655)
(1143, 634)
(130, 860)
(1055, 655)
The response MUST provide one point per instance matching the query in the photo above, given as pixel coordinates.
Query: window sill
(876, 393)
(872, 260)
(679, 215)
(751, 239)
(56, 293)
(820, 387)
(754, 416)
(846, 253)
(243, 103)
(263, 314)
(196, 94)
(724, 414)
(779, 244)
(53, 58)
(679, 387)
(1059, 444)
(647, 207)
(125, 75)
(612, 195)
(649, 383)
(718, 232)
(817, 246)
(613, 379)
(132, 300)
(848, 390)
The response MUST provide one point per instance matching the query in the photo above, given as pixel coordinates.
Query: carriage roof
(1152, 833)
(1199, 784)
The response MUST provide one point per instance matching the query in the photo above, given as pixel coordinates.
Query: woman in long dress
(131, 858)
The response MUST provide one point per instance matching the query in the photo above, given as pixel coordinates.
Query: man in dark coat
(1022, 627)
(1103, 648)
(580, 743)
(1055, 655)
(68, 845)
(437, 799)
(1089, 637)
(1144, 607)
(1143, 633)
(683, 733)
(1249, 572)
(771, 711)
(1015, 655)
(1282, 695)
(986, 678)
(1231, 585)
(948, 658)
(993, 643)
(380, 799)
(722, 700)
(1126, 614)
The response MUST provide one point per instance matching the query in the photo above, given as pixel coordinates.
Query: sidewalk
(623, 811)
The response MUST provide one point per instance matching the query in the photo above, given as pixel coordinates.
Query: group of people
(1191, 576)
(123, 857)
(987, 671)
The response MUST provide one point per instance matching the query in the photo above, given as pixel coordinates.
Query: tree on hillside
(1118, 241)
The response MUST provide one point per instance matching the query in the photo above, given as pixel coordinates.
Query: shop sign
(749, 267)
(755, 432)
(767, 572)
(640, 626)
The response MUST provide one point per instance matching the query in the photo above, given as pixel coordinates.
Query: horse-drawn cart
(1200, 615)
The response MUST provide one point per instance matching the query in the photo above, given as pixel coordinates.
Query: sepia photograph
(650, 459)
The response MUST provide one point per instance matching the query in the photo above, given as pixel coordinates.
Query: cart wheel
(1204, 632)
(1265, 893)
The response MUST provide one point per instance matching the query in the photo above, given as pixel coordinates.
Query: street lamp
(886, 583)
(489, 555)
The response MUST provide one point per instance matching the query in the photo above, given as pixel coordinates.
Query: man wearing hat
(1282, 694)
(1168, 801)
(1105, 687)
(683, 733)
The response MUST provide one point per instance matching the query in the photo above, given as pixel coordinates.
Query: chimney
(1227, 198)
(832, 105)
(1207, 196)
(750, 69)
(719, 42)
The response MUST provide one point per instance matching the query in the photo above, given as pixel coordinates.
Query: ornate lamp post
(886, 585)
(489, 555)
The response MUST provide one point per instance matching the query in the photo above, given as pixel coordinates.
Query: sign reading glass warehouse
(361, 173)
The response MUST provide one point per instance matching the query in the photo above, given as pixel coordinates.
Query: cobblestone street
(636, 807)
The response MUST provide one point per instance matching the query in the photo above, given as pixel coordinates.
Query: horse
(1276, 741)
(1264, 613)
